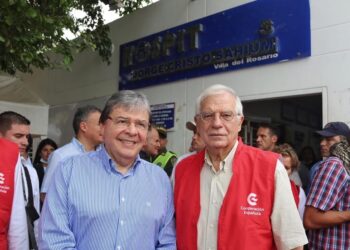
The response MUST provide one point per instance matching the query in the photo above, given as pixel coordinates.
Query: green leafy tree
(31, 31)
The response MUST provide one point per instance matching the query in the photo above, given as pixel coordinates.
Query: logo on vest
(2, 178)
(3, 189)
(251, 209)
(251, 199)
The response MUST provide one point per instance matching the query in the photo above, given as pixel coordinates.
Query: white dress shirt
(36, 192)
(18, 231)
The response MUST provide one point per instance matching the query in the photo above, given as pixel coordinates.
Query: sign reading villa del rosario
(256, 33)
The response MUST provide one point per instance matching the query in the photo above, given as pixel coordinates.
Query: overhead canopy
(13, 89)
(16, 96)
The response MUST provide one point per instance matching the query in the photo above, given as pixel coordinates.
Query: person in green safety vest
(151, 149)
(166, 158)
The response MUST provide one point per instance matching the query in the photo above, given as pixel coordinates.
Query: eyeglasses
(122, 123)
(210, 116)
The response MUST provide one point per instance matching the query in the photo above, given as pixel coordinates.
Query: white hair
(215, 89)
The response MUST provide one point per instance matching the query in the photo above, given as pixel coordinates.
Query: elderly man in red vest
(232, 196)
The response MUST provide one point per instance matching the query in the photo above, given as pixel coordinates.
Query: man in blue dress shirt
(111, 199)
(87, 138)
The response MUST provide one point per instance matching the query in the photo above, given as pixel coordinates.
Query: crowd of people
(116, 185)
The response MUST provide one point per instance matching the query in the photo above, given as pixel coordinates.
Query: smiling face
(218, 134)
(18, 134)
(124, 141)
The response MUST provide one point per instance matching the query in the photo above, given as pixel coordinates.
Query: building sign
(256, 33)
(163, 114)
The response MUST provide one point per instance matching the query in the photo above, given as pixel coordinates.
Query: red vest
(295, 191)
(244, 219)
(8, 158)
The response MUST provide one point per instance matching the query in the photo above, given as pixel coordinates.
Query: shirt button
(212, 225)
(123, 199)
(122, 222)
(119, 247)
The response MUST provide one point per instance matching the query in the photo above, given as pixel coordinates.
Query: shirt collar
(226, 164)
(110, 165)
(26, 162)
(78, 145)
(81, 147)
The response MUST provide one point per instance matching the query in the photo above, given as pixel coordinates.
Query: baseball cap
(335, 128)
(191, 126)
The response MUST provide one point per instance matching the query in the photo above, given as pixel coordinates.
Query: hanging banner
(253, 34)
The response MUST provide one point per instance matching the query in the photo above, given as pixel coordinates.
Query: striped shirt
(60, 154)
(90, 205)
(330, 190)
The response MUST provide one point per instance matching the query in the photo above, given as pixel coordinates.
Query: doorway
(297, 117)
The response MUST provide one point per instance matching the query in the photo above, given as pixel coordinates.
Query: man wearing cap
(197, 143)
(152, 146)
(332, 133)
(327, 212)
(165, 159)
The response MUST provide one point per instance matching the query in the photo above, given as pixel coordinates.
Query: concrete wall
(326, 71)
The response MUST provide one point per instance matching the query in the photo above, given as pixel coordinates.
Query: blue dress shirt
(90, 205)
(60, 154)
(313, 172)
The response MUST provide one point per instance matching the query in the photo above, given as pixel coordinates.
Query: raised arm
(327, 188)
(316, 219)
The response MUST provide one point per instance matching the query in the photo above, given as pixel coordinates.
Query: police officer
(166, 158)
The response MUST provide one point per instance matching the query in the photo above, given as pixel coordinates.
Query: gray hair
(215, 89)
(128, 99)
(82, 114)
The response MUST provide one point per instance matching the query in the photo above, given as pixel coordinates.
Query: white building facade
(299, 95)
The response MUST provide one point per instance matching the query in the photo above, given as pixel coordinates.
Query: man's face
(197, 144)
(326, 144)
(18, 134)
(265, 140)
(163, 143)
(124, 134)
(219, 135)
(92, 128)
(153, 145)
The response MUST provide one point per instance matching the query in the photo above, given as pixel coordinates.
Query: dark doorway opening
(298, 117)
